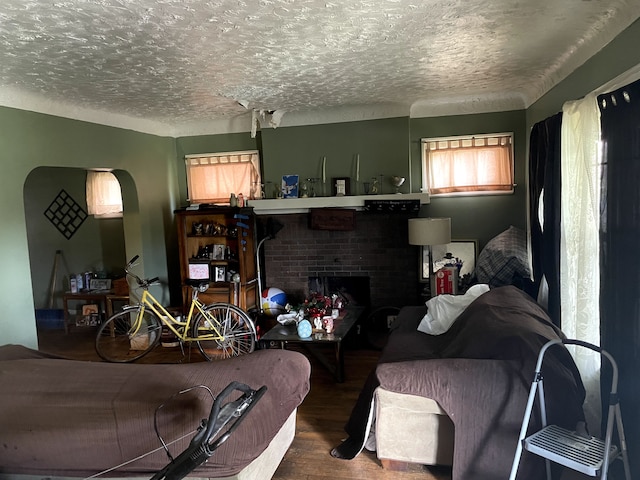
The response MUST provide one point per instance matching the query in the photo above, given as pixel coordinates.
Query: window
(468, 165)
(104, 197)
(213, 177)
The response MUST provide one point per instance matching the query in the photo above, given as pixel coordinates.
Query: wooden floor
(320, 421)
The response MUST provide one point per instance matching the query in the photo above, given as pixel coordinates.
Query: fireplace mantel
(302, 205)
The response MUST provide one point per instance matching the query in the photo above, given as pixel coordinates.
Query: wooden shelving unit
(218, 242)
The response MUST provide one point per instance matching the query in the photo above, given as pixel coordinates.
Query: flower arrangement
(314, 307)
(317, 305)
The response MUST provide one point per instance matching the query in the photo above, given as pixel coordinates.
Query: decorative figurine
(328, 324)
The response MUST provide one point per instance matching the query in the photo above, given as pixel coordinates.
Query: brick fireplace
(376, 248)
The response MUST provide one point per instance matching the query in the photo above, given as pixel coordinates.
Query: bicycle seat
(197, 283)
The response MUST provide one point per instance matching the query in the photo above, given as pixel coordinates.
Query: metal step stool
(585, 454)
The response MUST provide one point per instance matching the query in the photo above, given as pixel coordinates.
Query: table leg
(336, 367)
(65, 306)
(339, 372)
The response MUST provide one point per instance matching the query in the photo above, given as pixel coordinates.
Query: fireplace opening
(353, 289)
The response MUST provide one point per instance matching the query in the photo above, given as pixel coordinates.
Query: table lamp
(428, 232)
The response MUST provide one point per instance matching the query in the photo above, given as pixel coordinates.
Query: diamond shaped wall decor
(65, 214)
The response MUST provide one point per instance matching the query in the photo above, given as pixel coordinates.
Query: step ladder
(575, 450)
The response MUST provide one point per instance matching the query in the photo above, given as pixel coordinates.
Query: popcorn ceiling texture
(179, 62)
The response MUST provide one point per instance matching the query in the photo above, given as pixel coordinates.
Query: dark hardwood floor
(320, 420)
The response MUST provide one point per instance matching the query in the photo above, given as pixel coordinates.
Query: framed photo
(100, 284)
(220, 274)
(89, 309)
(90, 316)
(445, 255)
(217, 252)
(290, 186)
(341, 186)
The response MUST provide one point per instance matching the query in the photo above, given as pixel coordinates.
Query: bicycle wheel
(116, 342)
(231, 331)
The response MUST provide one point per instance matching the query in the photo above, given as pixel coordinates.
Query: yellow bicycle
(221, 330)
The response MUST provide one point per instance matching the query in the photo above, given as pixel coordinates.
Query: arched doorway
(56, 221)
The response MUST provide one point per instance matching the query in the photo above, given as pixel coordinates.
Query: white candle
(324, 169)
(358, 167)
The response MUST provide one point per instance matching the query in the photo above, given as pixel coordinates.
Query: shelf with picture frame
(466, 250)
(302, 205)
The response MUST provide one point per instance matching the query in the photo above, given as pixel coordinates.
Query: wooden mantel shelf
(302, 205)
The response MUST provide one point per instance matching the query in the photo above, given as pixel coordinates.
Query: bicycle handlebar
(146, 283)
(140, 281)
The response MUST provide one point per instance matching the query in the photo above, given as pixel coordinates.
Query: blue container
(49, 318)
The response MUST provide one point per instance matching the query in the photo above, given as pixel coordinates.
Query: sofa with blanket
(458, 398)
(64, 418)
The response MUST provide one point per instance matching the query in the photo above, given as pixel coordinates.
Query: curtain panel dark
(620, 251)
(544, 174)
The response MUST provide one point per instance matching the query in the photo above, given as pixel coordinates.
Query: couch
(66, 418)
(459, 398)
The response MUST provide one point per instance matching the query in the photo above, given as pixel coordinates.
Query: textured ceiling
(181, 66)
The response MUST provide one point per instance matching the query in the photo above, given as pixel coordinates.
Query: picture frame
(100, 284)
(341, 186)
(89, 309)
(217, 251)
(90, 316)
(465, 250)
(290, 185)
(220, 274)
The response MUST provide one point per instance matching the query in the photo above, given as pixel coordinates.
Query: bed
(68, 418)
(458, 398)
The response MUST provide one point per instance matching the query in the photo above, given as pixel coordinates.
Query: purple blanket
(72, 418)
(480, 372)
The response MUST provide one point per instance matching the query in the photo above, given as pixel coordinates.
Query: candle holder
(312, 181)
(397, 182)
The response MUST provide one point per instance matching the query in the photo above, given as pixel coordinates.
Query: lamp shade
(429, 231)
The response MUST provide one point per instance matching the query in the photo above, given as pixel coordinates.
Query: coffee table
(284, 334)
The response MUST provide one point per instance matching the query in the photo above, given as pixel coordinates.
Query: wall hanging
(65, 214)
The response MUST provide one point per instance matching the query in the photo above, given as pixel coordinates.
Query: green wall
(477, 217)
(386, 147)
(382, 146)
(30, 140)
(97, 246)
(209, 144)
(620, 55)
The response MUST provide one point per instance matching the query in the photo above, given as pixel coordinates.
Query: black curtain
(620, 252)
(544, 174)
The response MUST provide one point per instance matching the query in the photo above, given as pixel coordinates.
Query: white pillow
(443, 310)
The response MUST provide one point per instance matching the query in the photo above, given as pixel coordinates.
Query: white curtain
(211, 178)
(469, 164)
(104, 197)
(579, 260)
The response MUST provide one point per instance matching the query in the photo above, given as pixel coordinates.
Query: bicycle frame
(168, 320)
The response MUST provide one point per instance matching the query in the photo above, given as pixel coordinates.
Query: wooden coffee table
(284, 334)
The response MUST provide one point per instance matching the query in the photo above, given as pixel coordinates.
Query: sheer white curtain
(104, 197)
(579, 259)
(211, 178)
(469, 164)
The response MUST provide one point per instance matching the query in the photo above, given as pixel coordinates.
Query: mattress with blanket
(71, 418)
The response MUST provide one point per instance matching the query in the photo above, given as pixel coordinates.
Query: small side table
(112, 299)
(104, 299)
